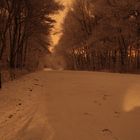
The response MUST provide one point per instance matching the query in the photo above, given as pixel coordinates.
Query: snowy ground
(65, 105)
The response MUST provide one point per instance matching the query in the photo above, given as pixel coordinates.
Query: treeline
(102, 35)
(24, 30)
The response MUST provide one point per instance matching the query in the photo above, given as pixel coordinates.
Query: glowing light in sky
(56, 33)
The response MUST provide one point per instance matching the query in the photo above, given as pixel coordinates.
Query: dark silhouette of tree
(22, 24)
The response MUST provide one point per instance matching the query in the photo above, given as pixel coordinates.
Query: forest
(97, 35)
(25, 27)
(102, 35)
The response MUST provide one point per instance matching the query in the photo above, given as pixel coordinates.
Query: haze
(56, 34)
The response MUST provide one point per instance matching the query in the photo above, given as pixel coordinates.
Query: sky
(56, 34)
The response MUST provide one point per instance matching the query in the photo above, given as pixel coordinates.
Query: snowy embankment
(65, 105)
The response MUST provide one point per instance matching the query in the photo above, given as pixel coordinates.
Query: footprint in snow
(87, 114)
(117, 114)
(30, 89)
(98, 103)
(36, 79)
(10, 116)
(38, 85)
(19, 104)
(105, 97)
(108, 132)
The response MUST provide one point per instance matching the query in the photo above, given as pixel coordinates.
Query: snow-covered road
(66, 105)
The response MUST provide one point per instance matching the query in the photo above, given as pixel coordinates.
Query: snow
(66, 105)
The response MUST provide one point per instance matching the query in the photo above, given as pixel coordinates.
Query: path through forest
(66, 105)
